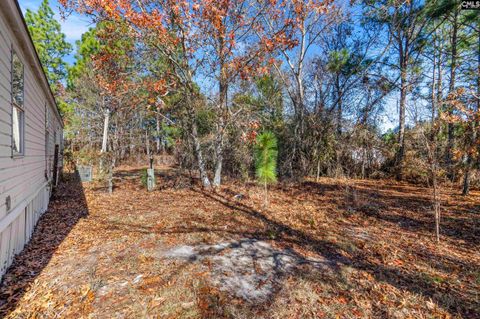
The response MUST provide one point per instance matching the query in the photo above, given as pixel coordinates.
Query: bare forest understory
(327, 249)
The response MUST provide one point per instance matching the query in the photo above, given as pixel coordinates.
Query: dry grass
(107, 256)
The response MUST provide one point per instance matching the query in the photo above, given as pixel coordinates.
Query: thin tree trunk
(201, 162)
(196, 145)
(401, 120)
(217, 180)
(339, 125)
(339, 105)
(221, 126)
(132, 146)
(218, 165)
(451, 88)
(472, 142)
(296, 161)
(110, 176)
(439, 80)
(106, 121)
(433, 97)
(157, 138)
(147, 143)
(466, 177)
(436, 202)
(431, 147)
(266, 194)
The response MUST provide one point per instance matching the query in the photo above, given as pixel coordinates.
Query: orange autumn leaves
(457, 102)
(231, 37)
(460, 113)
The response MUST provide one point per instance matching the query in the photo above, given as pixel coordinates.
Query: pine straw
(95, 255)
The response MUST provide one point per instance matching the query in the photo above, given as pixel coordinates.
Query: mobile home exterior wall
(28, 141)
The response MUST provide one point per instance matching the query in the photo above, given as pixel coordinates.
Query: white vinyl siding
(23, 179)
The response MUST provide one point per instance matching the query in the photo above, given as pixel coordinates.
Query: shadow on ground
(393, 203)
(258, 255)
(67, 206)
(246, 249)
(456, 302)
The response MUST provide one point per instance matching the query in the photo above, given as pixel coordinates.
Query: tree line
(202, 79)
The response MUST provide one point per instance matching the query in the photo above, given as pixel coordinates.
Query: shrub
(266, 160)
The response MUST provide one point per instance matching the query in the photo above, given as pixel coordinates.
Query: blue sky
(73, 25)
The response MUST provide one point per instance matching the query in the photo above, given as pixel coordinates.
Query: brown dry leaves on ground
(332, 249)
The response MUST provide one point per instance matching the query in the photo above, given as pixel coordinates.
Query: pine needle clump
(266, 160)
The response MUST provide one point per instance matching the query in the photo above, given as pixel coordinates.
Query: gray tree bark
(451, 88)
(106, 121)
(469, 164)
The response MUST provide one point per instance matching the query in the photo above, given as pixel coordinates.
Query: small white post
(150, 179)
(151, 176)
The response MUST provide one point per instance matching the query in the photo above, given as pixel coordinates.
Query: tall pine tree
(50, 43)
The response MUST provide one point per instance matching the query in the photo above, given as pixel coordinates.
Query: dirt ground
(327, 249)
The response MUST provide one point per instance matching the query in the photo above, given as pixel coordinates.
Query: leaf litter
(327, 249)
